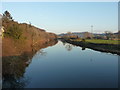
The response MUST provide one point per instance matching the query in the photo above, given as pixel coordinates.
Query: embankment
(21, 37)
(109, 48)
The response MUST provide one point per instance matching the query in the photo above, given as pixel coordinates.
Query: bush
(13, 31)
(83, 40)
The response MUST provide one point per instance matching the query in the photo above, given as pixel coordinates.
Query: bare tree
(108, 34)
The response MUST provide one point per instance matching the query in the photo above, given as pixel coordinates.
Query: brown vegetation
(14, 66)
(20, 37)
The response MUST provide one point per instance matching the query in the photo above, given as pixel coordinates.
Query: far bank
(110, 47)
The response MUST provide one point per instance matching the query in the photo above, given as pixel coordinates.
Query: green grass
(99, 41)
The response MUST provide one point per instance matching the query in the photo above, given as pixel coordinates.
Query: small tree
(30, 24)
(7, 16)
(108, 34)
(69, 34)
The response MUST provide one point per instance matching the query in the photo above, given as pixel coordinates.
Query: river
(67, 66)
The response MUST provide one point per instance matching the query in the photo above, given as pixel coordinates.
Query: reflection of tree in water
(83, 48)
(64, 43)
(68, 47)
(13, 71)
(10, 81)
(13, 68)
(41, 52)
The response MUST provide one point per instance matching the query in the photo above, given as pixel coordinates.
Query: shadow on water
(14, 67)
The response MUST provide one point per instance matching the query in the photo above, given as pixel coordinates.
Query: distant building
(88, 35)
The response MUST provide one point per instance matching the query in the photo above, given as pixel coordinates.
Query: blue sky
(60, 17)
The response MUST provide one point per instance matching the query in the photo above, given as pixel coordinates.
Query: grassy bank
(99, 41)
(108, 46)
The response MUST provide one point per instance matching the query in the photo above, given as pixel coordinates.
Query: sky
(62, 17)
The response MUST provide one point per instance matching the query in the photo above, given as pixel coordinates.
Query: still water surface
(66, 66)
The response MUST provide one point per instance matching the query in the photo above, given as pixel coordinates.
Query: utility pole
(92, 31)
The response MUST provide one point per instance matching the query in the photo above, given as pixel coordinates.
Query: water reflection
(83, 48)
(41, 52)
(10, 81)
(68, 47)
(74, 69)
(14, 67)
(60, 69)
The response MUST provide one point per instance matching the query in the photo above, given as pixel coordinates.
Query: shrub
(13, 31)
(83, 40)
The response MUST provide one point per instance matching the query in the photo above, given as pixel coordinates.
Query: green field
(99, 41)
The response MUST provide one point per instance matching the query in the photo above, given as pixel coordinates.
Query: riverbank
(103, 47)
(22, 37)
